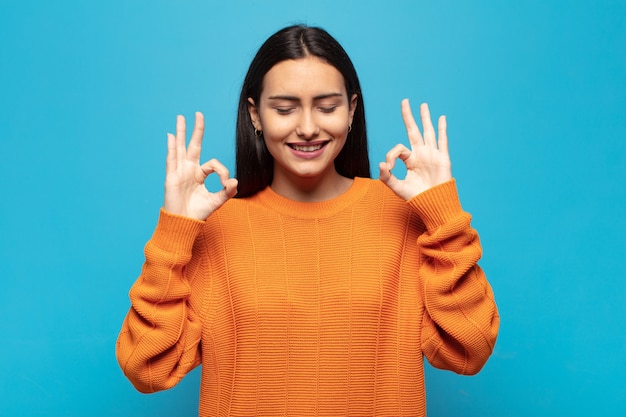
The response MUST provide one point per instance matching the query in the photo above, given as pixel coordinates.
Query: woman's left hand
(427, 162)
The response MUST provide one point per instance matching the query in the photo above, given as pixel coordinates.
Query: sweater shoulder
(379, 193)
(365, 194)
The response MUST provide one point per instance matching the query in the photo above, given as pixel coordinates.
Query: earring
(349, 128)
(257, 132)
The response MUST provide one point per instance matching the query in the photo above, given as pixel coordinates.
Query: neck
(312, 189)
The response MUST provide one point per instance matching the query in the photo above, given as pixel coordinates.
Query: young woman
(317, 291)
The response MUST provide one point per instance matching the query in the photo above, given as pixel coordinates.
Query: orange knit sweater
(302, 309)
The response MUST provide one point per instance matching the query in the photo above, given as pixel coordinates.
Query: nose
(307, 126)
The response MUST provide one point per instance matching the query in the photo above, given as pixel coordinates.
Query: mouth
(308, 147)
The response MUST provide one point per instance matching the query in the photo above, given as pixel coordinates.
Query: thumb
(387, 177)
(230, 187)
(229, 190)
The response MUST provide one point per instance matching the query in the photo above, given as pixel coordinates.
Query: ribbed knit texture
(311, 309)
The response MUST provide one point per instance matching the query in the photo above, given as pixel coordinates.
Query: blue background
(535, 94)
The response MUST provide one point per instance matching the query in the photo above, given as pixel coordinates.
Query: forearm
(461, 320)
(158, 342)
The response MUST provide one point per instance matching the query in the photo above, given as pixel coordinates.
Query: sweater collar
(306, 210)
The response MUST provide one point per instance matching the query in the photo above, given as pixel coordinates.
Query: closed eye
(284, 110)
(328, 109)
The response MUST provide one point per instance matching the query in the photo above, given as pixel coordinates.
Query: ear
(254, 114)
(353, 104)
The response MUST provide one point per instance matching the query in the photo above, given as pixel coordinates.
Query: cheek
(276, 128)
(338, 127)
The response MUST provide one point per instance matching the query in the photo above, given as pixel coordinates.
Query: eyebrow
(294, 98)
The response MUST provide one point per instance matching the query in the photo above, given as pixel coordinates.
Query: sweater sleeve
(159, 341)
(461, 320)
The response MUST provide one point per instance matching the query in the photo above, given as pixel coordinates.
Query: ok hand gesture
(427, 162)
(185, 192)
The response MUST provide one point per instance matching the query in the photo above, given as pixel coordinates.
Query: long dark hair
(255, 165)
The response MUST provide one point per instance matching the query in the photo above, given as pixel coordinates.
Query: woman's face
(304, 113)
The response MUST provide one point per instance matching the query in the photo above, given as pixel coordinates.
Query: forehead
(301, 77)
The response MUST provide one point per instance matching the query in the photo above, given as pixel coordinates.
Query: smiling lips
(308, 147)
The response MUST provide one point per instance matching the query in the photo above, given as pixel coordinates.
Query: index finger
(216, 166)
(412, 130)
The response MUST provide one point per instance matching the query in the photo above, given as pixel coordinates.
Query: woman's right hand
(185, 192)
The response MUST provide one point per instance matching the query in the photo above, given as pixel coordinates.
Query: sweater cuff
(437, 205)
(174, 233)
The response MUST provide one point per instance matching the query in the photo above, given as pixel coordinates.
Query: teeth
(307, 148)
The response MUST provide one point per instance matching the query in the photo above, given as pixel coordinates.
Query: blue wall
(535, 94)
